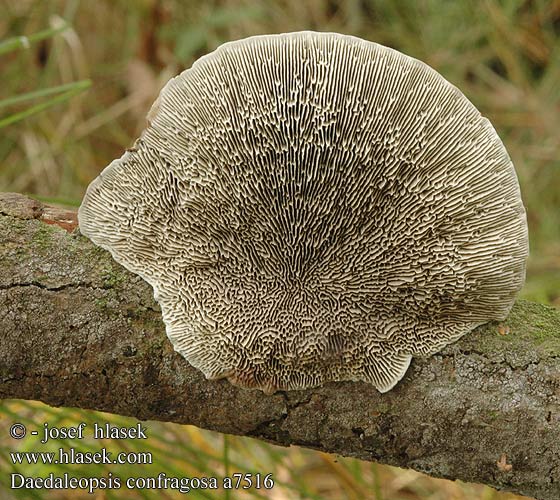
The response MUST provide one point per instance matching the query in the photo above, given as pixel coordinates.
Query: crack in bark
(41, 286)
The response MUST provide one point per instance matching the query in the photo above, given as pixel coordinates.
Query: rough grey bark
(77, 329)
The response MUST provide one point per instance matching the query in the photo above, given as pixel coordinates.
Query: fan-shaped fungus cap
(312, 207)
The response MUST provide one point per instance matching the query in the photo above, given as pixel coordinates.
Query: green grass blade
(45, 105)
(225, 460)
(24, 42)
(10, 101)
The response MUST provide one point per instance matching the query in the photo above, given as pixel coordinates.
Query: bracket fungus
(313, 207)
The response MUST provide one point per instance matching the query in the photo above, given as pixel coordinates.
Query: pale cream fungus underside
(312, 207)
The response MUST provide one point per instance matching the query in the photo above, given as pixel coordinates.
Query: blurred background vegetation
(77, 78)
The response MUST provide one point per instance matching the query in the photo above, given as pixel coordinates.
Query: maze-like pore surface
(312, 207)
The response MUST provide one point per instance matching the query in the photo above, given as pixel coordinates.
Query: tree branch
(77, 329)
